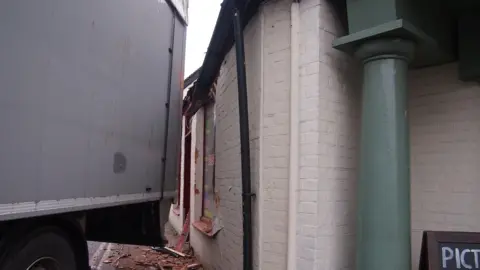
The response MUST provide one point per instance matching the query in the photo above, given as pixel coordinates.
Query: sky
(202, 16)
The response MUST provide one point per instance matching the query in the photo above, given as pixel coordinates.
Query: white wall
(174, 219)
(275, 133)
(177, 220)
(445, 153)
(197, 239)
(330, 93)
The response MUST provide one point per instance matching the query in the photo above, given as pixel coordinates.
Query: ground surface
(106, 256)
(92, 248)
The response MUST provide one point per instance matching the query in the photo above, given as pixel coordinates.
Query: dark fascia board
(221, 42)
(191, 78)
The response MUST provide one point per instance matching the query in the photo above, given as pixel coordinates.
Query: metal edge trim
(181, 6)
(48, 207)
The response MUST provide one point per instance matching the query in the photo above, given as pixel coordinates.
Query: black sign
(450, 250)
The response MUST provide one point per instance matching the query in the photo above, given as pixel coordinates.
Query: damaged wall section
(222, 247)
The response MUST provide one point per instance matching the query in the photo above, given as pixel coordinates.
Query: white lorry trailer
(90, 124)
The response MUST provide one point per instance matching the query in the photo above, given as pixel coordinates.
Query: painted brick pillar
(383, 228)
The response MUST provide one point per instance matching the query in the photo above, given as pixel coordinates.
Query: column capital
(386, 48)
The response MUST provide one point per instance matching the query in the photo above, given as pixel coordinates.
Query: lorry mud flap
(137, 224)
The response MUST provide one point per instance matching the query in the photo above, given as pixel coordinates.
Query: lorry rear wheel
(45, 249)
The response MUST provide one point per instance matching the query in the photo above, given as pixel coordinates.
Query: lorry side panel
(82, 103)
(176, 98)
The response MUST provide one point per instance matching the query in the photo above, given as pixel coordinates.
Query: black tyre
(45, 249)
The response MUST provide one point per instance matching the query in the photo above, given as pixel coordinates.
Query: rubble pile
(145, 258)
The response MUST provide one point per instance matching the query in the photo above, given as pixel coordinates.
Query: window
(209, 203)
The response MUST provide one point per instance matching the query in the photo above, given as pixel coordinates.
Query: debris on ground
(171, 251)
(194, 266)
(145, 258)
(130, 257)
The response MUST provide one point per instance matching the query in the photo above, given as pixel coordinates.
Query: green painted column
(383, 229)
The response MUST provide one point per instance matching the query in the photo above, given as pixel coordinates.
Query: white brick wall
(173, 218)
(329, 127)
(445, 153)
(275, 113)
(177, 220)
(199, 242)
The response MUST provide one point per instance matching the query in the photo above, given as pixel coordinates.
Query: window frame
(206, 154)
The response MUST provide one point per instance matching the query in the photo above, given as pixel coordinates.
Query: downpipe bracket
(251, 195)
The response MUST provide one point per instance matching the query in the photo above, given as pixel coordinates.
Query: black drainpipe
(244, 142)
